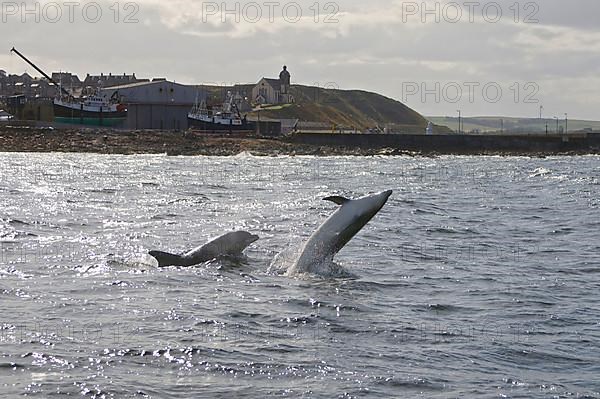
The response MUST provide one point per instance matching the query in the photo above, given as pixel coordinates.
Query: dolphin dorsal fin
(337, 200)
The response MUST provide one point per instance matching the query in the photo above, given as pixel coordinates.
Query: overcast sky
(547, 53)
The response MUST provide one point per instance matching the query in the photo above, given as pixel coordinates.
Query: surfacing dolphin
(316, 255)
(230, 244)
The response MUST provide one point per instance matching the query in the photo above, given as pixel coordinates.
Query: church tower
(284, 79)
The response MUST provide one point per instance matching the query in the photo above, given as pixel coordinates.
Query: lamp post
(459, 118)
(556, 117)
(566, 123)
(258, 123)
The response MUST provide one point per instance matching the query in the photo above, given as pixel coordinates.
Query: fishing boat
(226, 119)
(93, 110)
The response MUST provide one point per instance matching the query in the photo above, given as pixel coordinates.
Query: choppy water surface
(480, 278)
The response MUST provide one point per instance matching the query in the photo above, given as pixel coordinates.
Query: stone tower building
(285, 78)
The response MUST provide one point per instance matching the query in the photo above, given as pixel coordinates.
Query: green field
(350, 109)
(513, 125)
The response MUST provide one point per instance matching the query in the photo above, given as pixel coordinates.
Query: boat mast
(62, 89)
(232, 105)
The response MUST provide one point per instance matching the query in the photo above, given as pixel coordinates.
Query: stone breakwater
(20, 139)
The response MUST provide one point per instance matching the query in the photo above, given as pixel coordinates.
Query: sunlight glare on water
(479, 278)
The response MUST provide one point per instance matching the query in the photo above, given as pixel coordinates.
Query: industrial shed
(159, 104)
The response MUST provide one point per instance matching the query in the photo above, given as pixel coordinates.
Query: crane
(62, 89)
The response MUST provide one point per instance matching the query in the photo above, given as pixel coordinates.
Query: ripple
(87, 313)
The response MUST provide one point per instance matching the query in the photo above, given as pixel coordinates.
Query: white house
(273, 91)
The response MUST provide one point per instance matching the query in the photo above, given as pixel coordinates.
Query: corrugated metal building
(159, 104)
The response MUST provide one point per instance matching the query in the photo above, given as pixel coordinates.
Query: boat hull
(219, 127)
(72, 115)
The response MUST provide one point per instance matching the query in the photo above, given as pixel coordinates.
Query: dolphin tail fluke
(166, 259)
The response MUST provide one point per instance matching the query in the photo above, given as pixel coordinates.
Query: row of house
(35, 87)
(25, 84)
(70, 80)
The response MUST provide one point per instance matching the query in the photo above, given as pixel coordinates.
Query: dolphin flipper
(337, 200)
(166, 259)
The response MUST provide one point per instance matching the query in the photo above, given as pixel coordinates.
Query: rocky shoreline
(161, 142)
(26, 139)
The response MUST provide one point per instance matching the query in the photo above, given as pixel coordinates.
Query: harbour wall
(457, 144)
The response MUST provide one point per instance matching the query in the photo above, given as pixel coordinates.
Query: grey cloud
(376, 54)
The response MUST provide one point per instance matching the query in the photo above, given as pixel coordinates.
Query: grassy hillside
(348, 108)
(513, 125)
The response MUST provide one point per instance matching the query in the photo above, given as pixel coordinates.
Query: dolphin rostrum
(230, 244)
(336, 232)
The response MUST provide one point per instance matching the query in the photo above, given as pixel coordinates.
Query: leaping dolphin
(336, 232)
(230, 244)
